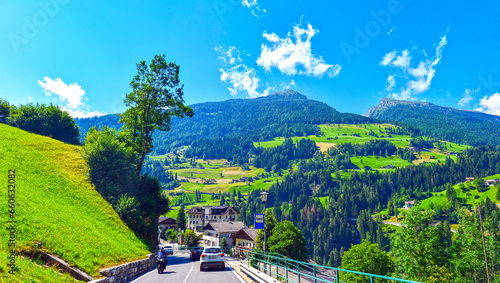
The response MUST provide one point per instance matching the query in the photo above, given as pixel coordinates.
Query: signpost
(259, 221)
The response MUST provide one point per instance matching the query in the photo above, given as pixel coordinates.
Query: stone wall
(126, 272)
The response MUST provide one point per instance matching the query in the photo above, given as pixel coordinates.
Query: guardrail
(288, 270)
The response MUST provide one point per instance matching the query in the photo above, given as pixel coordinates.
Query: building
(165, 223)
(409, 204)
(470, 179)
(244, 241)
(215, 231)
(491, 182)
(197, 217)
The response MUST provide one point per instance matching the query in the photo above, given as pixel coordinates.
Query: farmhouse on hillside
(409, 204)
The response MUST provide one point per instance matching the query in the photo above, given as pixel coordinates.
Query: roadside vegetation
(59, 208)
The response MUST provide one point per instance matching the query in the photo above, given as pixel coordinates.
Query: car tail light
(194, 252)
(221, 255)
(203, 255)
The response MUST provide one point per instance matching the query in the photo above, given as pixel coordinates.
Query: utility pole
(484, 245)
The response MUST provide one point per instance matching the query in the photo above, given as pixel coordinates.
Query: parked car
(212, 257)
(196, 253)
(168, 249)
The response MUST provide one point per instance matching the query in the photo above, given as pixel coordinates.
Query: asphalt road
(181, 269)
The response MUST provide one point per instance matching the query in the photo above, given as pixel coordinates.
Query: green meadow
(59, 207)
(468, 196)
(342, 133)
(377, 162)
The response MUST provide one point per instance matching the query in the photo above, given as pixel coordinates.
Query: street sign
(259, 220)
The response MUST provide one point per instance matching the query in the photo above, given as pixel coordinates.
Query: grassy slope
(468, 196)
(57, 205)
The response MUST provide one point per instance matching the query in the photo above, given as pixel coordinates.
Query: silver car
(212, 257)
(169, 250)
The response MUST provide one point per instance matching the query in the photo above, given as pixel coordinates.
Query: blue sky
(349, 54)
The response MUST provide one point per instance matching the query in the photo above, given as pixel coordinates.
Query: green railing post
(277, 269)
(286, 272)
(298, 272)
(314, 273)
(337, 280)
(371, 279)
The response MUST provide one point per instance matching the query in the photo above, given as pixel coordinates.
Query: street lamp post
(263, 196)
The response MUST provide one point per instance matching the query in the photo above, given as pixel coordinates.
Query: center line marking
(189, 273)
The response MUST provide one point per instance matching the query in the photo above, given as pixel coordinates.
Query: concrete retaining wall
(125, 272)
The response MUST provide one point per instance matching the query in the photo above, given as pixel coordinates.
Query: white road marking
(149, 273)
(189, 273)
(237, 275)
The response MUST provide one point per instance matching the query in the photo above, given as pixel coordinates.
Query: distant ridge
(446, 123)
(285, 113)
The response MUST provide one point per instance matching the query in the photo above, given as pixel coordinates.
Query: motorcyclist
(162, 254)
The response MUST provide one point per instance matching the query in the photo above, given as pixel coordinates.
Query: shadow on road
(216, 269)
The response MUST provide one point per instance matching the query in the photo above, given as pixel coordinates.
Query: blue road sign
(259, 220)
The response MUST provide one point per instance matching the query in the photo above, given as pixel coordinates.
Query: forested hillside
(287, 113)
(460, 126)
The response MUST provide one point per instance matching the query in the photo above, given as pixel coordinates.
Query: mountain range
(286, 113)
(289, 113)
(445, 123)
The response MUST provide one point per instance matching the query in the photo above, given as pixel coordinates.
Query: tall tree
(288, 240)
(368, 258)
(418, 247)
(156, 96)
(181, 219)
(270, 223)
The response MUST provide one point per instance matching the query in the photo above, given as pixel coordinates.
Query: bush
(46, 120)
(4, 110)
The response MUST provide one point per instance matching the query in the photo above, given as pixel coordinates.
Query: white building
(215, 231)
(197, 216)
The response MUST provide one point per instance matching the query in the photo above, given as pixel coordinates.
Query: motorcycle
(161, 261)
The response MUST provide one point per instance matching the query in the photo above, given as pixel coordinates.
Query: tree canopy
(156, 96)
(368, 258)
(46, 120)
(287, 240)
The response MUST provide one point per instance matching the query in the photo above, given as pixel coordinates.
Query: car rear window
(212, 250)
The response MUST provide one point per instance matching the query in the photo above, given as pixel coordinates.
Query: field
(469, 196)
(58, 206)
(377, 162)
(342, 133)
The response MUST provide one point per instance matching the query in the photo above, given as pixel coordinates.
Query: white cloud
(391, 82)
(292, 54)
(70, 94)
(420, 77)
(387, 59)
(391, 30)
(253, 5)
(230, 55)
(241, 77)
(288, 85)
(467, 98)
(490, 105)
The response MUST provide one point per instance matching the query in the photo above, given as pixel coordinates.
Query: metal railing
(287, 270)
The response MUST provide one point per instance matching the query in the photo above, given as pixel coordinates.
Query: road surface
(181, 269)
